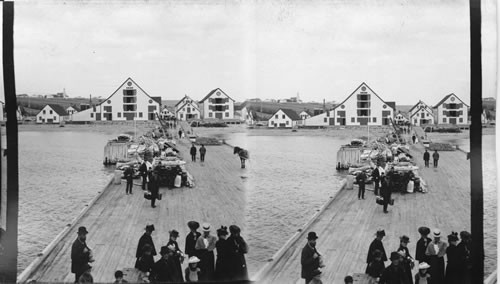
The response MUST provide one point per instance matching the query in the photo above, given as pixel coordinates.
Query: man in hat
(407, 260)
(193, 153)
(191, 238)
(394, 273)
(385, 191)
(376, 179)
(360, 179)
(145, 239)
(80, 254)
(427, 157)
(376, 244)
(143, 169)
(129, 176)
(203, 151)
(436, 251)
(309, 259)
(154, 187)
(435, 158)
(205, 246)
(422, 244)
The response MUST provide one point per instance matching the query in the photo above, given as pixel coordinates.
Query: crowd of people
(203, 265)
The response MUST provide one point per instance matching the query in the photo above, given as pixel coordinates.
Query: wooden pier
(116, 221)
(347, 225)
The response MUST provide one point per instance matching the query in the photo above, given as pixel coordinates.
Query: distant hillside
(271, 108)
(39, 103)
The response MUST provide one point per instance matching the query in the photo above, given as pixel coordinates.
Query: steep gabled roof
(290, 113)
(153, 98)
(426, 109)
(183, 99)
(57, 108)
(191, 103)
(419, 102)
(446, 97)
(212, 92)
(390, 104)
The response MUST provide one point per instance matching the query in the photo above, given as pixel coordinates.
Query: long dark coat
(465, 261)
(407, 263)
(165, 270)
(191, 243)
(308, 263)
(385, 191)
(192, 151)
(427, 156)
(393, 275)
(222, 264)
(454, 269)
(237, 249)
(176, 258)
(145, 263)
(79, 259)
(376, 244)
(153, 186)
(420, 250)
(145, 239)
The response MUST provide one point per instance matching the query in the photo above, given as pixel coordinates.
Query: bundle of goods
(357, 142)
(123, 138)
(207, 141)
(354, 171)
(213, 124)
(441, 147)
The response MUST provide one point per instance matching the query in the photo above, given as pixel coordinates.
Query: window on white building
(276, 116)
(353, 119)
(325, 119)
(119, 114)
(50, 111)
(227, 114)
(460, 120)
(283, 116)
(140, 114)
(92, 115)
(55, 118)
(444, 120)
(374, 119)
(43, 111)
(287, 122)
(39, 118)
(209, 114)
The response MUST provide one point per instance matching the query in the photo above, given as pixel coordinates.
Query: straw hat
(436, 233)
(423, 265)
(193, 259)
(205, 227)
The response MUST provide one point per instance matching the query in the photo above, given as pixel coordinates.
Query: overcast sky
(405, 50)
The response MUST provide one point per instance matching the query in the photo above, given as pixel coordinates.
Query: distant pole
(476, 165)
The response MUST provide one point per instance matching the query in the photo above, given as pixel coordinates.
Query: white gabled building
(284, 118)
(128, 102)
(187, 109)
(71, 110)
(400, 119)
(421, 114)
(51, 113)
(361, 107)
(303, 116)
(217, 105)
(166, 113)
(451, 110)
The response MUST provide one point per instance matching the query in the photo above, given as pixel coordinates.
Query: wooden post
(8, 261)
(476, 165)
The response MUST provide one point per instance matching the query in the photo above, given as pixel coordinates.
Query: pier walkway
(116, 221)
(348, 225)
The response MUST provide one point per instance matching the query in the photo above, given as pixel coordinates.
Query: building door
(97, 116)
(50, 120)
(218, 115)
(363, 120)
(453, 120)
(332, 121)
(282, 125)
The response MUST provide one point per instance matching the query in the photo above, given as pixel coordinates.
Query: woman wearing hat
(453, 268)
(464, 247)
(146, 262)
(205, 246)
(376, 245)
(436, 251)
(407, 259)
(191, 238)
(237, 250)
(222, 264)
(192, 272)
(422, 244)
(164, 269)
(422, 277)
(145, 239)
(178, 257)
(394, 273)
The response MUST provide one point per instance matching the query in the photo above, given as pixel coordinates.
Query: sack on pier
(379, 200)
(147, 195)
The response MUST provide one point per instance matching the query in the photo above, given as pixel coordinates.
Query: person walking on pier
(394, 273)
(422, 244)
(205, 246)
(376, 245)
(203, 151)
(414, 138)
(191, 238)
(360, 179)
(143, 169)
(144, 242)
(129, 176)
(237, 250)
(310, 258)
(154, 187)
(453, 268)
(223, 262)
(436, 251)
(427, 157)
(80, 254)
(193, 153)
(435, 158)
(180, 133)
(376, 179)
(385, 191)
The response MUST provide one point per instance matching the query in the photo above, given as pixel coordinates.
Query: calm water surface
(55, 168)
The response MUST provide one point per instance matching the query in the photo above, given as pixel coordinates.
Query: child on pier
(192, 272)
(422, 277)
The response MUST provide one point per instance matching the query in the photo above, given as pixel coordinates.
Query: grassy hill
(39, 103)
(271, 108)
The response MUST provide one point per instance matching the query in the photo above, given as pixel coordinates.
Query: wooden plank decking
(348, 225)
(116, 221)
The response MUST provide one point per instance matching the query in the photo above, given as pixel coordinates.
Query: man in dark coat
(203, 151)
(191, 238)
(376, 179)
(422, 244)
(153, 187)
(385, 191)
(360, 179)
(143, 169)
(145, 239)
(464, 249)
(223, 262)
(193, 153)
(80, 254)
(237, 248)
(164, 269)
(454, 268)
(129, 176)
(427, 157)
(435, 158)
(180, 133)
(376, 245)
(394, 273)
(309, 258)
(414, 138)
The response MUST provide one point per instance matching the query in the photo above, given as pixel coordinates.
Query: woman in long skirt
(436, 251)
(237, 249)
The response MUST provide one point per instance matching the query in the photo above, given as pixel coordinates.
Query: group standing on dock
(203, 266)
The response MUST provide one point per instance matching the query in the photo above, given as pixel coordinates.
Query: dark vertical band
(477, 212)
(9, 263)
